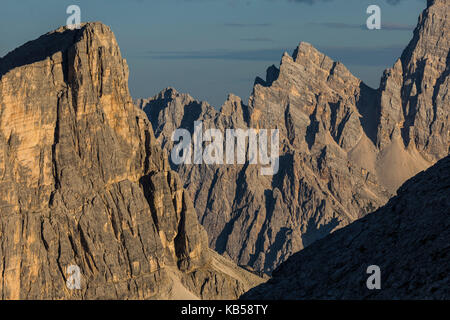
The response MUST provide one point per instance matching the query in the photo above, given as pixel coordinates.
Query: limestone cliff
(84, 182)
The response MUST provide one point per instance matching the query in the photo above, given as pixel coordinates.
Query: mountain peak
(94, 25)
(59, 40)
(96, 190)
(413, 95)
(433, 2)
(304, 48)
(345, 148)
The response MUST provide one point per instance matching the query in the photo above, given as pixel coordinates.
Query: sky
(210, 48)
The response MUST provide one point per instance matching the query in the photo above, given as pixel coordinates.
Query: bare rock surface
(84, 182)
(345, 148)
(408, 239)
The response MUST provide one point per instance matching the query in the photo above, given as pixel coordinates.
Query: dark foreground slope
(408, 238)
(83, 182)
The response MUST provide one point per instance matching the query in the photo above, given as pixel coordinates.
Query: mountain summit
(345, 148)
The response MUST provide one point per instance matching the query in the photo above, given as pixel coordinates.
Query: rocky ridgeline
(345, 148)
(83, 182)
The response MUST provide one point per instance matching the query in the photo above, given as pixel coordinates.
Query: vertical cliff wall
(83, 182)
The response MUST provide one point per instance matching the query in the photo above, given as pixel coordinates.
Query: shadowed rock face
(345, 148)
(83, 182)
(407, 239)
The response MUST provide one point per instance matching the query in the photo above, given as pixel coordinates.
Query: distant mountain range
(345, 148)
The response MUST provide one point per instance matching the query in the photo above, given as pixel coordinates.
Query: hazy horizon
(212, 48)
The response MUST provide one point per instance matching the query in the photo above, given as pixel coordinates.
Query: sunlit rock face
(83, 182)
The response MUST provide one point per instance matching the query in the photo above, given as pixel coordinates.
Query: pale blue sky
(210, 48)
